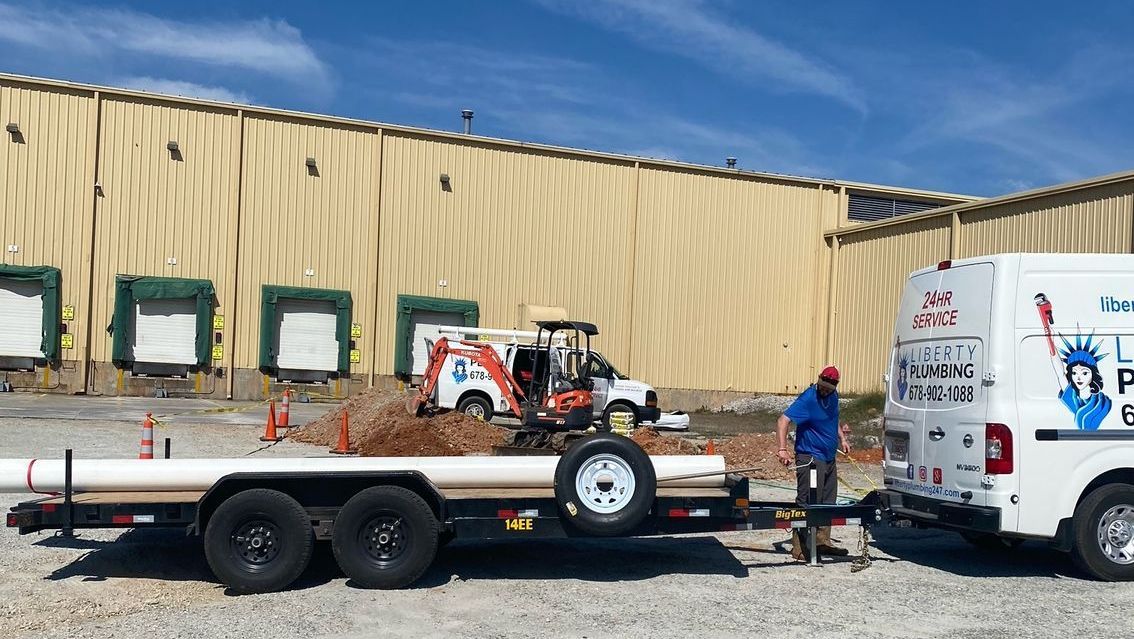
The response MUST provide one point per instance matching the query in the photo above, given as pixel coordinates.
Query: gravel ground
(156, 583)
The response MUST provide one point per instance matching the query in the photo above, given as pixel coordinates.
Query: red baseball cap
(830, 374)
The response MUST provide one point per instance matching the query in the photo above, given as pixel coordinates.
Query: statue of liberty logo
(460, 371)
(1083, 394)
(903, 375)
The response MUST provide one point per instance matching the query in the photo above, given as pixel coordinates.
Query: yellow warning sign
(355, 356)
(218, 323)
(68, 313)
(356, 330)
(67, 340)
(218, 352)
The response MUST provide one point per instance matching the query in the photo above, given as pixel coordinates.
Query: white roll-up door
(164, 331)
(21, 318)
(305, 330)
(424, 325)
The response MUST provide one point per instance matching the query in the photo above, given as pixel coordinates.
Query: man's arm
(844, 438)
(781, 436)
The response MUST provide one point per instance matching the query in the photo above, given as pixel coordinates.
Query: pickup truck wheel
(476, 406)
(625, 411)
(1104, 533)
(385, 537)
(258, 541)
(991, 542)
(605, 485)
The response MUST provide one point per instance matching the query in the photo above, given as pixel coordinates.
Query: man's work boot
(824, 546)
(798, 548)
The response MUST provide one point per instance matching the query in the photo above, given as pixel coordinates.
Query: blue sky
(979, 98)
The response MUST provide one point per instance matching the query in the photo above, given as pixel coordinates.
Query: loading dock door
(164, 331)
(305, 334)
(21, 318)
(422, 323)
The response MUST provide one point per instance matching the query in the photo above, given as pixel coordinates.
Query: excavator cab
(559, 392)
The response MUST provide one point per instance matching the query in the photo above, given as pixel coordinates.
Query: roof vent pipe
(730, 162)
(466, 115)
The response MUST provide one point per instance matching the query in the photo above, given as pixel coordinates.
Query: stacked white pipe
(131, 475)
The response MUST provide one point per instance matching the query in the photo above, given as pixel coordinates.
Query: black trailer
(385, 527)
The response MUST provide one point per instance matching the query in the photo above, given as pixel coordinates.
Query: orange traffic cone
(146, 449)
(710, 449)
(270, 434)
(344, 439)
(285, 409)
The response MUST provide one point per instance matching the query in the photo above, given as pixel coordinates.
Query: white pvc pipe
(137, 475)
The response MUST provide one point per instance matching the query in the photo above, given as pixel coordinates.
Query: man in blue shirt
(818, 439)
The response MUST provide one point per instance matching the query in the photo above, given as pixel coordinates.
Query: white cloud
(182, 88)
(690, 29)
(266, 46)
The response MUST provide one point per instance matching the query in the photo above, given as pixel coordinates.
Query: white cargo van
(1010, 404)
(463, 385)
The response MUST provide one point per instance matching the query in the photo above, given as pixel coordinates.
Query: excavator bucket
(416, 405)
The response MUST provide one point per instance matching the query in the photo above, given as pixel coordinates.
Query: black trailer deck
(305, 507)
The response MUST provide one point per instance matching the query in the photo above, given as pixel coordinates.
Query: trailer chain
(862, 562)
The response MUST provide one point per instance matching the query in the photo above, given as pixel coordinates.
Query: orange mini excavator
(558, 396)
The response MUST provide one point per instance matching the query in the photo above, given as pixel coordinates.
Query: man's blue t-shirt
(817, 424)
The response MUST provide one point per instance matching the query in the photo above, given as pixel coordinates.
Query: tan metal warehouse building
(221, 250)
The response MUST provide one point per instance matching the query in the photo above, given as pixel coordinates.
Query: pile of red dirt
(655, 443)
(380, 427)
(755, 450)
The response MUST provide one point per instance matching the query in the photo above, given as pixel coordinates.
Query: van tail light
(997, 449)
(944, 265)
(651, 399)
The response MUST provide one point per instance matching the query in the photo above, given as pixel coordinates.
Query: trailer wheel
(258, 540)
(1104, 533)
(385, 537)
(605, 485)
(476, 406)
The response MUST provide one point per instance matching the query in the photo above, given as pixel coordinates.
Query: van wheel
(1104, 533)
(991, 542)
(385, 537)
(258, 540)
(476, 406)
(619, 412)
(605, 485)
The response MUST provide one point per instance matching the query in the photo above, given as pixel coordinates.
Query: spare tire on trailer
(605, 485)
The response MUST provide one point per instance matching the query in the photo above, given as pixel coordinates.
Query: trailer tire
(1103, 529)
(385, 537)
(476, 406)
(258, 540)
(605, 485)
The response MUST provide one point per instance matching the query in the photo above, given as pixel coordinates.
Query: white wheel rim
(605, 483)
(1116, 534)
(475, 410)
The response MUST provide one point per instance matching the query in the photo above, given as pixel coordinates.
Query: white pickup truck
(1010, 404)
(467, 387)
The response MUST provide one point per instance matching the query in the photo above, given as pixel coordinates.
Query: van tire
(619, 407)
(480, 407)
(605, 485)
(1114, 503)
(992, 542)
(385, 537)
(278, 527)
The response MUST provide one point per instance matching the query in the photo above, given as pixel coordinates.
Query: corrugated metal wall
(1091, 220)
(873, 266)
(726, 281)
(293, 219)
(156, 205)
(46, 190)
(511, 228)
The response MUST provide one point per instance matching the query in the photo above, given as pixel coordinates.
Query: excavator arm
(483, 355)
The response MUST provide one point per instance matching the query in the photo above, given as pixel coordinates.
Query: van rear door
(936, 404)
